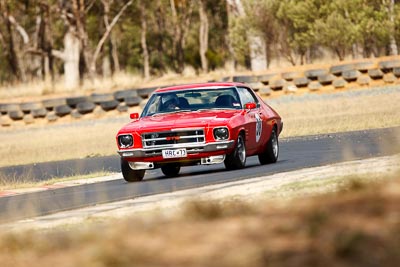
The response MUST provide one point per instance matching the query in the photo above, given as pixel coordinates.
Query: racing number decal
(258, 127)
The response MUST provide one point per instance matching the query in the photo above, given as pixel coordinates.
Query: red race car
(197, 124)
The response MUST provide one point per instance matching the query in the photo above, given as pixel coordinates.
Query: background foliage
(298, 31)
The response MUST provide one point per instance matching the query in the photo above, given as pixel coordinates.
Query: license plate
(174, 153)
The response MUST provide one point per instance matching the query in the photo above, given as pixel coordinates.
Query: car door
(253, 120)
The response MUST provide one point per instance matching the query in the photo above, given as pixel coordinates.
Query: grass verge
(9, 183)
(338, 229)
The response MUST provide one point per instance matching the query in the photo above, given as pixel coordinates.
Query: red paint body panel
(262, 118)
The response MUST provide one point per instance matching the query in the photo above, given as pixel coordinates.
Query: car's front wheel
(129, 174)
(271, 151)
(237, 160)
(171, 170)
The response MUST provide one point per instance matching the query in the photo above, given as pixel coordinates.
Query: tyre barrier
(326, 79)
(133, 101)
(85, 107)
(122, 94)
(337, 76)
(266, 78)
(375, 74)
(50, 104)
(290, 76)
(313, 74)
(339, 69)
(16, 115)
(351, 75)
(277, 84)
(100, 98)
(245, 79)
(28, 107)
(301, 82)
(109, 105)
(146, 92)
(62, 110)
(39, 113)
(73, 101)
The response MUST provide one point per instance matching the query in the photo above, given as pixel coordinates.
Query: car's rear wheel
(129, 174)
(171, 170)
(271, 151)
(237, 160)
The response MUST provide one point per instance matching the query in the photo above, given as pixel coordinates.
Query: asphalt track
(295, 153)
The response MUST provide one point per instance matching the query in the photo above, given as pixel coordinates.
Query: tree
(203, 35)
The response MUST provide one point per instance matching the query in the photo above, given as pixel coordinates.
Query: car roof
(209, 85)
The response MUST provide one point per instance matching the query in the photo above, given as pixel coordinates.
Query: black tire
(73, 101)
(301, 82)
(315, 73)
(237, 160)
(39, 113)
(245, 79)
(122, 94)
(171, 170)
(266, 78)
(62, 110)
(363, 67)
(271, 152)
(28, 107)
(16, 115)
(375, 74)
(99, 98)
(5, 108)
(109, 105)
(133, 101)
(339, 83)
(129, 174)
(277, 84)
(326, 79)
(291, 75)
(85, 107)
(146, 92)
(49, 104)
(351, 75)
(396, 72)
(388, 65)
(339, 69)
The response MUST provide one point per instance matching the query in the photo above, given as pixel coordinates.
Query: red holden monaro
(196, 124)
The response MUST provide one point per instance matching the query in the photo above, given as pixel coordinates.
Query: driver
(170, 102)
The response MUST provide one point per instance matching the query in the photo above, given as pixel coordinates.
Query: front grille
(175, 137)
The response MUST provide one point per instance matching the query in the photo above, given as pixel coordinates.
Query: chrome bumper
(191, 149)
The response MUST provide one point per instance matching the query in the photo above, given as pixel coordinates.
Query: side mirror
(134, 116)
(250, 105)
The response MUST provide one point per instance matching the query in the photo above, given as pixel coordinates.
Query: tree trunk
(393, 45)
(71, 59)
(11, 52)
(257, 44)
(230, 62)
(181, 23)
(203, 35)
(143, 41)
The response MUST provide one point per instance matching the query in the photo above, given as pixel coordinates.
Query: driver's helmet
(170, 100)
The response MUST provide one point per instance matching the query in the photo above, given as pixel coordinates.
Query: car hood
(181, 120)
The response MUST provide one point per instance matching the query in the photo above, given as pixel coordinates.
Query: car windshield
(192, 100)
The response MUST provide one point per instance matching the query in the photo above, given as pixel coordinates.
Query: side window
(247, 96)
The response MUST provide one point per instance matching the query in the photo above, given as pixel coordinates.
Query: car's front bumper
(192, 150)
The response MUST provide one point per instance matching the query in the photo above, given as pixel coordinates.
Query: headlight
(221, 133)
(125, 140)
